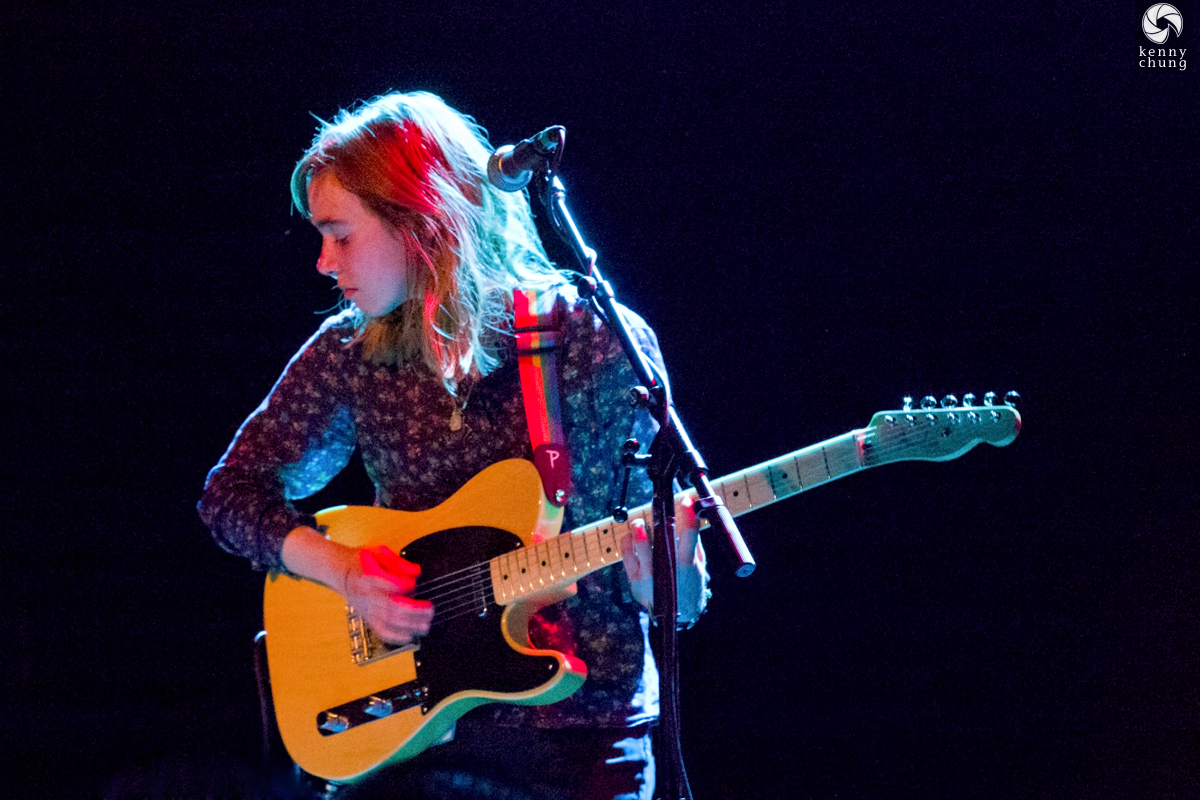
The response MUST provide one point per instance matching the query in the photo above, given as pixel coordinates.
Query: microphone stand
(671, 455)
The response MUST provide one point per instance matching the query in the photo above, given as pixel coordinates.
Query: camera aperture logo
(1158, 23)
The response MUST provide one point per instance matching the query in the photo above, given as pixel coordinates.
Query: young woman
(419, 373)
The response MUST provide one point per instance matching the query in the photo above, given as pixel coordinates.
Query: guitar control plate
(382, 704)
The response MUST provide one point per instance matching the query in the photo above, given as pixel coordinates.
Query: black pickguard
(465, 649)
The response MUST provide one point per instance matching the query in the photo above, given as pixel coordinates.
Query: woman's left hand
(636, 555)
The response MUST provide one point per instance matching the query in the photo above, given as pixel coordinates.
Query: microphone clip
(511, 167)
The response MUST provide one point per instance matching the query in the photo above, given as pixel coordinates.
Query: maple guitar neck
(906, 435)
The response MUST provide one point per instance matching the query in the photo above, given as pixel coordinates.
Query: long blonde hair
(421, 167)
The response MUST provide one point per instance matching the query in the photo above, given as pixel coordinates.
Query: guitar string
(452, 600)
(438, 588)
(446, 585)
(446, 580)
(463, 602)
(897, 442)
(447, 588)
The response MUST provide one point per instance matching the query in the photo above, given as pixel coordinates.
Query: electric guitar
(347, 703)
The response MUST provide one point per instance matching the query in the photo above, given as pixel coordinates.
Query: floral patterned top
(331, 400)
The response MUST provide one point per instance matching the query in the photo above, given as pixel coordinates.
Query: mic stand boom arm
(671, 455)
(687, 460)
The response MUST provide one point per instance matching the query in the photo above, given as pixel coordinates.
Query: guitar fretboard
(564, 559)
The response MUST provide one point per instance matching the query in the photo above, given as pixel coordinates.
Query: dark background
(820, 208)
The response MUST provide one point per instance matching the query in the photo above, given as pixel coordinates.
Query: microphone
(511, 167)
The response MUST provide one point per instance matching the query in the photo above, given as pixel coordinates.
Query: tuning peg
(989, 399)
(907, 402)
(949, 401)
(928, 402)
(1011, 399)
(968, 399)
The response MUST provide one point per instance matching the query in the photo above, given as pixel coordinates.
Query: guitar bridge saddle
(365, 644)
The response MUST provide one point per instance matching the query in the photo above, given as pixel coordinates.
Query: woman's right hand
(379, 584)
(376, 581)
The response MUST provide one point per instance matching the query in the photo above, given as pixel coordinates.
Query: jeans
(502, 763)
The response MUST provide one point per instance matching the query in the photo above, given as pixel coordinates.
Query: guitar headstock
(941, 431)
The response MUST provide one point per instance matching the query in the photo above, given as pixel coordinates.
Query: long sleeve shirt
(331, 400)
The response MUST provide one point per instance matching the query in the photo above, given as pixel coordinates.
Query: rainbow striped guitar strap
(538, 317)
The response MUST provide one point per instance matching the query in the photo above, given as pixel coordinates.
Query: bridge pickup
(340, 719)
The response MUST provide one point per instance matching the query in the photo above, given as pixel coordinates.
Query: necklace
(458, 408)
